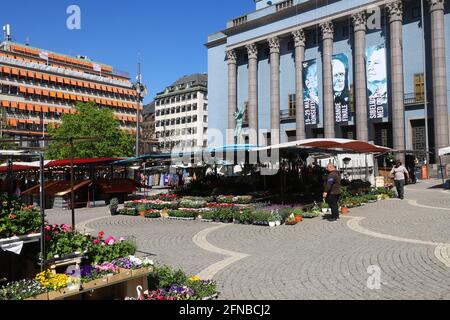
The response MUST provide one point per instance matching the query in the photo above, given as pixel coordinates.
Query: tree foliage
(93, 122)
(7, 145)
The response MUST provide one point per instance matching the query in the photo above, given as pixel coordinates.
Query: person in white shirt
(400, 175)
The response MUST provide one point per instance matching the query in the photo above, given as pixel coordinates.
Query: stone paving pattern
(315, 259)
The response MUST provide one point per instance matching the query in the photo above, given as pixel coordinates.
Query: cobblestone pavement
(315, 259)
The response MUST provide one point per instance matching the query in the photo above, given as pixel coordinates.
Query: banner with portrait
(341, 90)
(311, 93)
(377, 83)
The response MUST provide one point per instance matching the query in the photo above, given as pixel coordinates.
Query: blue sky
(169, 36)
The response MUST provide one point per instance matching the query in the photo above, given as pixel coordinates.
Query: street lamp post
(141, 92)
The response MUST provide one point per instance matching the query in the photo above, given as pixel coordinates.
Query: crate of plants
(167, 197)
(192, 203)
(152, 214)
(225, 213)
(24, 290)
(136, 265)
(168, 284)
(58, 285)
(127, 212)
(184, 214)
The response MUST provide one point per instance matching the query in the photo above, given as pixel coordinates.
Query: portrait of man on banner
(311, 92)
(377, 82)
(341, 88)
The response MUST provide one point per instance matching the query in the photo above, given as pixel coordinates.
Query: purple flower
(86, 271)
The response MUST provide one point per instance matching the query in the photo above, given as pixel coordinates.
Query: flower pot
(298, 219)
(272, 224)
(62, 293)
(278, 223)
(345, 211)
(142, 214)
(325, 210)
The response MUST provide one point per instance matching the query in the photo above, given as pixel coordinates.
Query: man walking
(400, 175)
(332, 192)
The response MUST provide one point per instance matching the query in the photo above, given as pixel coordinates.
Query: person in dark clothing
(332, 193)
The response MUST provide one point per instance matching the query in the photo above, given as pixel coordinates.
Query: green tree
(7, 145)
(94, 122)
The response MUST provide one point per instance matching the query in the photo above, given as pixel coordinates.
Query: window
(205, 118)
(189, 107)
(384, 137)
(290, 46)
(194, 118)
(416, 12)
(194, 107)
(292, 105)
(205, 107)
(345, 31)
(291, 135)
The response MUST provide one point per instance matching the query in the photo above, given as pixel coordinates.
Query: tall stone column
(274, 45)
(232, 95)
(359, 23)
(299, 43)
(252, 51)
(439, 74)
(395, 10)
(328, 101)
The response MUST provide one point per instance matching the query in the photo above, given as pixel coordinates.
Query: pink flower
(65, 228)
(122, 239)
(96, 241)
(110, 241)
(47, 228)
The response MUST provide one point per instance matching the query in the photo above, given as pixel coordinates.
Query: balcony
(284, 5)
(239, 21)
(414, 99)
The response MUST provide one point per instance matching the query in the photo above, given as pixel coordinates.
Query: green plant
(324, 205)
(113, 206)
(19, 219)
(261, 216)
(245, 216)
(164, 277)
(100, 253)
(152, 214)
(60, 244)
(207, 215)
(128, 212)
(182, 214)
(225, 214)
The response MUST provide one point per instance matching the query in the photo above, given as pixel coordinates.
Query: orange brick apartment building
(38, 86)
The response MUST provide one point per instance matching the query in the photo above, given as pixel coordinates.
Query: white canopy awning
(444, 151)
(330, 144)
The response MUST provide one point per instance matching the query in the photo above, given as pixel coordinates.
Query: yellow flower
(194, 279)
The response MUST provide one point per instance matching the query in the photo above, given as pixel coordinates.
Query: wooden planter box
(61, 293)
(121, 275)
(141, 272)
(41, 297)
(95, 283)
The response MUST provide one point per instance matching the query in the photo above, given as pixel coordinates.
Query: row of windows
(179, 109)
(182, 143)
(178, 132)
(180, 98)
(183, 120)
(14, 91)
(54, 82)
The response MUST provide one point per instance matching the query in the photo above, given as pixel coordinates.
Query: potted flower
(325, 207)
(291, 221)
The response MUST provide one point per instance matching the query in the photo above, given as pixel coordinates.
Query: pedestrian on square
(400, 175)
(332, 193)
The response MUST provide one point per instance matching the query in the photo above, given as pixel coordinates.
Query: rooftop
(187, 82)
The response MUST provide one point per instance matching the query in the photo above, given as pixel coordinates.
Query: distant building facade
(37, 87)
(181, 114)
(149, 142)
(352, 69)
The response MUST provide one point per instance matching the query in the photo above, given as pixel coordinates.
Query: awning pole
(42, 200)
(442, 173)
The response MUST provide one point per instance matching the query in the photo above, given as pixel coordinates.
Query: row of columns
(395, 11)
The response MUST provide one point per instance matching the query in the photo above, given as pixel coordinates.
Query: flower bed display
(19, 220)
(168, 284)
(184, 214)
